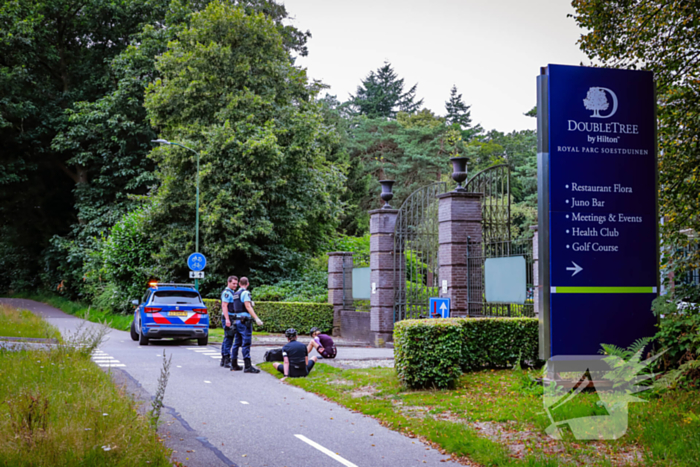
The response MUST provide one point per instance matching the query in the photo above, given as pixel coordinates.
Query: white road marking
(211, 353)
(244, 403)
(179, 366)
(216, 357)
(110, 365)
(327, 452)
(106, 360)
(208, 382)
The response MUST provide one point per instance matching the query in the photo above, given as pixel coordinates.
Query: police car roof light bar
(172, 284)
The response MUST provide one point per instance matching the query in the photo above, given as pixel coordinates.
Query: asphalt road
(216, 417)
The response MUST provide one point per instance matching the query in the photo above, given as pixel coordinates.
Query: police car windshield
(176, 297)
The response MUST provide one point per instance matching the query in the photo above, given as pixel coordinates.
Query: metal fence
(477, 253)
(416, 245)
(350, 265)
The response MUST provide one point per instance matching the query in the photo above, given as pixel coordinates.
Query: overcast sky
(491, 49)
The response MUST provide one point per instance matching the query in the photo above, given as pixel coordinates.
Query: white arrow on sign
(443, 308)
(576, 269)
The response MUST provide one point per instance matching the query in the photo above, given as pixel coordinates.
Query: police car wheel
(134, 334)
(143, 340)
(203, 341)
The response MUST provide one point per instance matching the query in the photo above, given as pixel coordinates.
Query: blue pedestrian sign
(196, 262)
(439, 307)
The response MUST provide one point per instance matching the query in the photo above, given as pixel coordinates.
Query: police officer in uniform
(243, 326)
(227, 319)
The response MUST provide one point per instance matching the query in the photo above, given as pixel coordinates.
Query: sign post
(197, 262)
(598, 214)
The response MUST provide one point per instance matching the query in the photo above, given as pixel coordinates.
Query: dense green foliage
(435, 352)
(280, 316)
(313, 287)
(678, 334)
(662, 37)
(268, 194)
(57, 178)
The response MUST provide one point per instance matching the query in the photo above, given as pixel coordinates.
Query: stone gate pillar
(459, 218)
(339, 285)
(381, 263)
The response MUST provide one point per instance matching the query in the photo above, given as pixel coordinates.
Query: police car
(170, 311)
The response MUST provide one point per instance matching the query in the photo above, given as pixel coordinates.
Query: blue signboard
(598, 187)
(439, 307)
(196, 262)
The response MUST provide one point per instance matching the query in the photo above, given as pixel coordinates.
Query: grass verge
(496, 418)
(217, 334)
(59, 409)
(81, 310)
(24, 323)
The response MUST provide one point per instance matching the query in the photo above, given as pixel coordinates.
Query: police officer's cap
(290, 333)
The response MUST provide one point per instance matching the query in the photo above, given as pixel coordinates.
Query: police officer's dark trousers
(229, 333)
(243, 337)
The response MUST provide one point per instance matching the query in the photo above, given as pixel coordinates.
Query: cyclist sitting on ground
(296, 357)
(323, 344)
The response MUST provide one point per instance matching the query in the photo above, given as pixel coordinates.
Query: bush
(500, 342)
(428, 352)
(435, 352)
(313, 287)
(280, 316)
(128, 261)
(679, 331)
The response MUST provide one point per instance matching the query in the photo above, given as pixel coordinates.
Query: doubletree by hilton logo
(597, 101)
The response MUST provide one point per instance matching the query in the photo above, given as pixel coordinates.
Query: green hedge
(435, 352)
(280, 316)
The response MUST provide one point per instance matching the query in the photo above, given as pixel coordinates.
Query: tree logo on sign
(597, 101)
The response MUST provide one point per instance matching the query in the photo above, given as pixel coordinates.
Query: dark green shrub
(499, 342)
(428, 352)
(435, 352)
(312, 287)
(678, 331)
(280, 316)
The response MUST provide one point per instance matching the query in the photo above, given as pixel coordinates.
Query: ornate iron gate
(416, 243)
(494, 184)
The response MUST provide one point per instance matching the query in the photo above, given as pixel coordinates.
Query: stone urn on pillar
(387, 194)
(459, 172)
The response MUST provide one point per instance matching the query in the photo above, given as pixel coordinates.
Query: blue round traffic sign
(196, 262)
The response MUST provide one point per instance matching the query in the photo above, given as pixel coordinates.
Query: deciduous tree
(663, 37)
(269, 196)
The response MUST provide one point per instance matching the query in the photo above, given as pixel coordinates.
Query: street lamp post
(196, 247)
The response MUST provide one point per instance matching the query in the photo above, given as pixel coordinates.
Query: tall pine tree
(382, 95)
(459, 113)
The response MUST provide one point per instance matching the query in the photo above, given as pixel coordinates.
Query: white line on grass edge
(327, 452)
